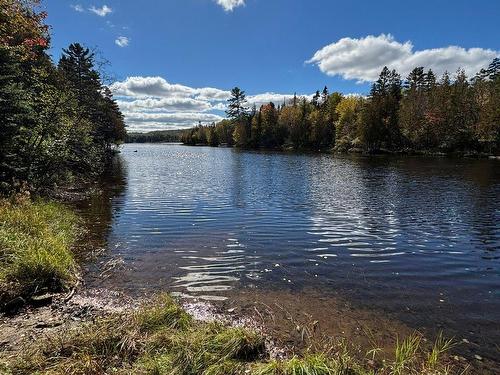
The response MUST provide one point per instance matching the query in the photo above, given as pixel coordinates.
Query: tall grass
(35, 248)
(405, 353)
(440, 347)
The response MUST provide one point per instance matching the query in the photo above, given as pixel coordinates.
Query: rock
(14, 304)
(478, 357)
(50, 324)
(42, 300)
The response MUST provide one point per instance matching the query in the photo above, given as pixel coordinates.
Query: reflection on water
(99, 209)
(403, 234)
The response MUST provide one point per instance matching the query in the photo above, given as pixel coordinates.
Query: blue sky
(186, 54)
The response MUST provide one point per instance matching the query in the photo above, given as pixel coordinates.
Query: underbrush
(161, 338)
(35, 248)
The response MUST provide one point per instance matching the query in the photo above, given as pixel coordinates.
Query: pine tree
(315, 99)
(324, 95)
(416, 79)
(430, 79)
(16, 115)
(236, 109)
(380, 116)
(494, 69)
(77, 67)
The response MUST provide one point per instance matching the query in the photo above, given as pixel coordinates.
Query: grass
(35, 248)
(405, 353)
(162, 339)
(440, 347)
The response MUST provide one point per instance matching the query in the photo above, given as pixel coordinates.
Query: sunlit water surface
(419, 235)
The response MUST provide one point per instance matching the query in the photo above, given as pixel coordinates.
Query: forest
(159, 136)
(59, 122)
(422, 113)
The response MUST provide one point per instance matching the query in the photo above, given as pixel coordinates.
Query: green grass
(163, 314)
(35, 248)
(440, 347)
(405, 353)
(161, 339)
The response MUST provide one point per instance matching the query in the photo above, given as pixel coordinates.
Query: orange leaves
(36, 42)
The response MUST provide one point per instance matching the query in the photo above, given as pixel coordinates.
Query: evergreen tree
(236, 109)
(16, 115)
(430, 80)
(315, 100)
(412, 114)
(416, 79)
(77, 67)
(324, 95)
(380, 116)
(494, 69)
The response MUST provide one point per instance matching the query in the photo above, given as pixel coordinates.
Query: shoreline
(293, 334)
(376, 153)
(293, 324)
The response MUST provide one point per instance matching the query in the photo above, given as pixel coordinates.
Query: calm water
(416, 235)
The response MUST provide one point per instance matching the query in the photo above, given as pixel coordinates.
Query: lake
(416, 238)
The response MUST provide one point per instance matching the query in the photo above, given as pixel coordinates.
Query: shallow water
(415, 237)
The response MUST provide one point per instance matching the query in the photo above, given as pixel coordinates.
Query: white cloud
(102, 11)
(229, 5)
(144, 122)
(150, 87)
(266, 98)
(122, 41)
(165, 105)
(160, 88)
(153, 103)
(362, 59)
(77, 8)
(209, 93)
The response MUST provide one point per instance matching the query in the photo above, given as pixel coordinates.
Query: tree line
(158, 136)
(58, 122)
(418, 114)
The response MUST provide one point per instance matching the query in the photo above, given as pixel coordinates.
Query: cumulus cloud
(265, 98)
(159, 87)
(165, 105)
(144, 122)
(229, 5)
(210, 93)
(153, 103)
(362, 59)
(122, 41)
(102, 11)
(150, 86)
(77, 8)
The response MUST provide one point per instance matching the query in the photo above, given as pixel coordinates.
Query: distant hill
(155, 136)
